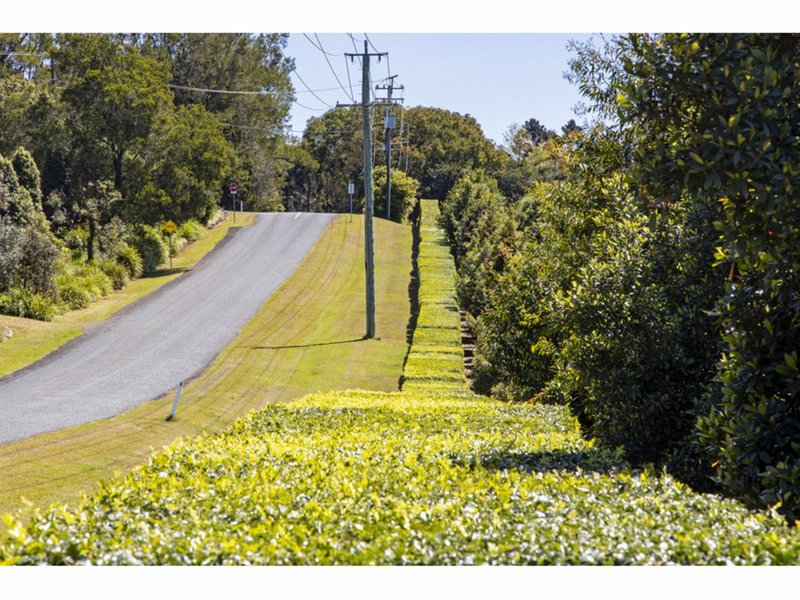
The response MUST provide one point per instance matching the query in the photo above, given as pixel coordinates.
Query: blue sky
(502, 61)
(499, 79)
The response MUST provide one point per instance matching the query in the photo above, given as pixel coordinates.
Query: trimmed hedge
(435, 360)
(399, 478)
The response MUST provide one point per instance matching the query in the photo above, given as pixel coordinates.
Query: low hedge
(399, 478)
(435, 360)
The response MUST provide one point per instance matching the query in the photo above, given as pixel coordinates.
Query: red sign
(234, 188)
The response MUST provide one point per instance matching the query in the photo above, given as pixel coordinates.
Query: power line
(247, 92)
(311, 108)
(370, 43)
(330, 66)
(215, 91)
(320, 48)
(388, 66)
(352, 39)
(303, 82)
(349, 82)
(23, 53)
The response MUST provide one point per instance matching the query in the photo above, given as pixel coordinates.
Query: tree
(570, 127)
(444, 144)
(94, 206)
(184, 169)
(334, 146)
(404, 194)
(721, 114)
(253, 123)
(28, 175)
(114, 94)
(537, 133)
(15, 201)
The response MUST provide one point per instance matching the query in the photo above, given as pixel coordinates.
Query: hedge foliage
(399, 478)
(435, 359)
(654, 286)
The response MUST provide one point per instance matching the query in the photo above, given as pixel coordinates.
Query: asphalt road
(171, 335)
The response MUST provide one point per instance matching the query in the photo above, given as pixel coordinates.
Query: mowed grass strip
(307, 337)
(33, 339)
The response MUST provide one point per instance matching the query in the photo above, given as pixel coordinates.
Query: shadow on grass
(413, 289)
(361, 339)
(164, 272)
(592, 460)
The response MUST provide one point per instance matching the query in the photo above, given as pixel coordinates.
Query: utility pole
(369, 250)
(388, 126)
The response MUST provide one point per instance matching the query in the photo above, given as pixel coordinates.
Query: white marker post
(175, 402)
(351, 189)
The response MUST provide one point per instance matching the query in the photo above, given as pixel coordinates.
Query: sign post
(170, 228)
(351, 189)
(233, 189)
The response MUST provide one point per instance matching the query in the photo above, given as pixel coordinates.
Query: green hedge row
(435, 361)
(399, 478)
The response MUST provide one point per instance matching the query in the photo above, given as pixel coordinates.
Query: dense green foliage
(435, 360)
(399, 478)
(430, 475)
(109, 134)
(435, 147)
(741, 152)
(442, 145)
(653, 285)
(404, 194)
(21, 302)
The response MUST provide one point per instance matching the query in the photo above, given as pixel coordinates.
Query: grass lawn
(306, 338)
(33, 339)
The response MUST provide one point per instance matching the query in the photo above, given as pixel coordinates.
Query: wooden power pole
(369, 250)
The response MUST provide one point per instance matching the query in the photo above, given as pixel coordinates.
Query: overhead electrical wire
(330, 66)
(216, 91)
(304, 84)
(369, 41)
(352, 39)
(320, 48)
(349, 81)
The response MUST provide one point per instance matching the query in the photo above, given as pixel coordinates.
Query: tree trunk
(90, 240)
(118, 169)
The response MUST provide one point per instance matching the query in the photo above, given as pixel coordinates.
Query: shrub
(404, 194)
(128, 257)
(19, 302)
(10, 252)
(191, 230)
(72, 293)
(115, 271)
(15, 201)
(28, 258)
(28, 175)
(79, 284)
(38, 262)
(151, 246)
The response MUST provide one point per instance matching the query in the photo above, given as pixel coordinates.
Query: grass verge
(306, 338)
